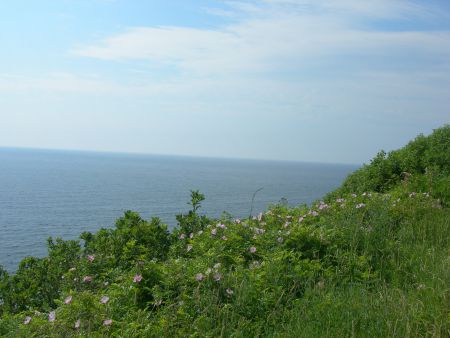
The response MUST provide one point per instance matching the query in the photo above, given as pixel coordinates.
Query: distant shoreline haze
(62, 193)
(164, 155)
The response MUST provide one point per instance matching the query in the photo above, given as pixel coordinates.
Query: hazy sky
(310, 80)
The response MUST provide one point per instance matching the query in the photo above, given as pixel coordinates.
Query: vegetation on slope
(370, 261)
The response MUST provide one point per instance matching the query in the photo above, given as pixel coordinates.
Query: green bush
(370, 261)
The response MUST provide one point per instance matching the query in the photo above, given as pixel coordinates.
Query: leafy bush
(372, 260)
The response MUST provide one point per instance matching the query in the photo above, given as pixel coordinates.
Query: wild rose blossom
(217, 277)
(255, 264)
(360, 205)
(259, 231)
(77, 324)
(322, 205)
(27, 320)
(68, 300)
(301, 219)
(259, 217)
(223, 238)
(90, 258)
(199, 277)
(221, 225)
(191, 235)
(52, 316)
(237, 221)
(137, 278)
(214, 232)
(252, 249)
(229, 291)
(104, 300)
(182, 236)
(87, 279)
(107, 322)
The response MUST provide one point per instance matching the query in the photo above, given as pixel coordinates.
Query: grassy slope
(373, 262)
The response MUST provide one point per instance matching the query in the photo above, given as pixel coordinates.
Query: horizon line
(116, 152)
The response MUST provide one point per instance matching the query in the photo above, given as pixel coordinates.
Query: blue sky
(308, 80)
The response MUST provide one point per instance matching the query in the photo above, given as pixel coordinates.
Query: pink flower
(360, 205)
(199, 277)
(27, 320)
(77, 324)
(286, 224)
(259, 231)
(214, 232)
(322, 205)
(217, 277)
(340, 200)
(237, 221)
(252, 249)
(68, 300)
(90, 258)
(191, 235)
(229, 291)
(314, 213)
(137, 278)
(255, 264)
(223, 238)
(221, 225)
(104, 300)
(87, 279)
(52, 316)
(182, 236)
(107, 322)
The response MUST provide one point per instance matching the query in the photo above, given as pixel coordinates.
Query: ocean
(63, 193)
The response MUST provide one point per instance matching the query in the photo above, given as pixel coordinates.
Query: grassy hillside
(371, 260)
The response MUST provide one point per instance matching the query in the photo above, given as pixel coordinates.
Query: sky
(303, 80)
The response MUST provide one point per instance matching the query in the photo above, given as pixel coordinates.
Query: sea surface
(63, 193)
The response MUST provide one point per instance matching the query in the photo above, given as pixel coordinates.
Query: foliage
(370, 261)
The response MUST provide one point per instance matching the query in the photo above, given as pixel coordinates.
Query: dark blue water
(56, 193)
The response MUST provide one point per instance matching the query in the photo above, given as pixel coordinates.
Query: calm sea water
(56, 193)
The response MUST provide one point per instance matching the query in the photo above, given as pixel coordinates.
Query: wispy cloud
(276, 35)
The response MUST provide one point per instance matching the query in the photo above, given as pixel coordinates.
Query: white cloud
(274, 37)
